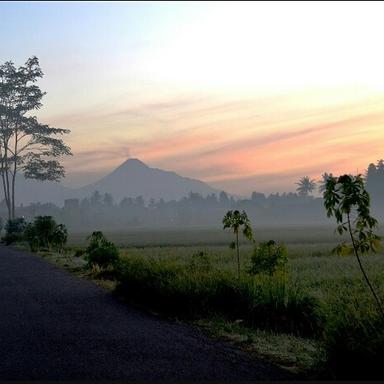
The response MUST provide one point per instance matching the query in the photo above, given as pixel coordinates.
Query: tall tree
(374, 179)
(305, 186)
(26, 145)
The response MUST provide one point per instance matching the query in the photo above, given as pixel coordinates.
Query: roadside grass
(301, 356)
(296, 354)
(351, 331)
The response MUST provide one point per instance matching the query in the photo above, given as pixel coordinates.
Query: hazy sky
(245, 96)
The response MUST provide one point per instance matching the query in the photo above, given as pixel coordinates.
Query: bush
(14, 230)
(45, 233)
(100, 251)
(44, 227)
(268, 257)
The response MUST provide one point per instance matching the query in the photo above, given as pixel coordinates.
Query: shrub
(14, 230)
(268, 257)
(100, 251)
(44, 227)
(45, 233)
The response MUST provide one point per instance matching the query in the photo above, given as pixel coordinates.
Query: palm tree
(236, 220)
(305, 186)
(323, 183)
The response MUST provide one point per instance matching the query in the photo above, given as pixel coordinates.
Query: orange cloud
(271, 140)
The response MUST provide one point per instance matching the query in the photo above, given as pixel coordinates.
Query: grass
(296, 354)
(163, 274)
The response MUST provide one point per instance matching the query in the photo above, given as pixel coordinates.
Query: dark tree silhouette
(374, 179)
(305, 186)
(26, 145)
(323, 183)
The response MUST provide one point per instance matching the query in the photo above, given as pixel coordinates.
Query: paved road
(57, 326)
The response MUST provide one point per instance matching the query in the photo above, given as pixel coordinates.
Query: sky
(245, 96)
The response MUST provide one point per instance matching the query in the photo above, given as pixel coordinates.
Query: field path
(56, 326)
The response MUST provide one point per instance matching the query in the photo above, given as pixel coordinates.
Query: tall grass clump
(174, 289)
(354, 338)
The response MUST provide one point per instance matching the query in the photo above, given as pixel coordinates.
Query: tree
(345, 198)
(26, 145)
(305, 186)
(95, 199)
(374, 179)
(223, 198)
(323, 182)
(236, 221)
(108, 199)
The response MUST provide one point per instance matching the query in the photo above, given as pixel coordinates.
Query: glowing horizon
(245, 96)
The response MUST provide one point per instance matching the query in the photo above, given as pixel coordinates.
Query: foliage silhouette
(305, 186)
(100, 251)
(14, 230)
(237, 221)
(26, 145)
(346, 198)
(268, 257)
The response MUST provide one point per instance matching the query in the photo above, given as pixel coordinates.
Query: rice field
(158, 262)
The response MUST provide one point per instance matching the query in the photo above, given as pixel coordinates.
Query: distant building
(71, 204)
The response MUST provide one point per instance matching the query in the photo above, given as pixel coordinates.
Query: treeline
(101, 211)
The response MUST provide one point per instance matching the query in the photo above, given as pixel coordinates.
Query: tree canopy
(26, 145)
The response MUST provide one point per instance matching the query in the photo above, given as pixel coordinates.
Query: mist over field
(135, 195)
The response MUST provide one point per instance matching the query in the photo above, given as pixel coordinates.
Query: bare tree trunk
(6, 197)
(14, 177)
(13, 195)
(238, 255)
(7, 181)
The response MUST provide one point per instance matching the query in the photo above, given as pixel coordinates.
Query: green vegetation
(169, 287)
(237, 221)
(345, 197)
(27, 146)
(14, 231)
(312, 316)
(42, 233)
(268, 257)
(101, 252)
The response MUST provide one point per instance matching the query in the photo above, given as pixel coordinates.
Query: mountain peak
(133, 163)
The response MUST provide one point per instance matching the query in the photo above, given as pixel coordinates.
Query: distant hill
(134, 178)
(131, 179)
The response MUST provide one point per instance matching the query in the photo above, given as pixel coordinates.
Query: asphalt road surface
(55, 326)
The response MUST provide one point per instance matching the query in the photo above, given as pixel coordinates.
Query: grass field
(143, 237)
(158, 263)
